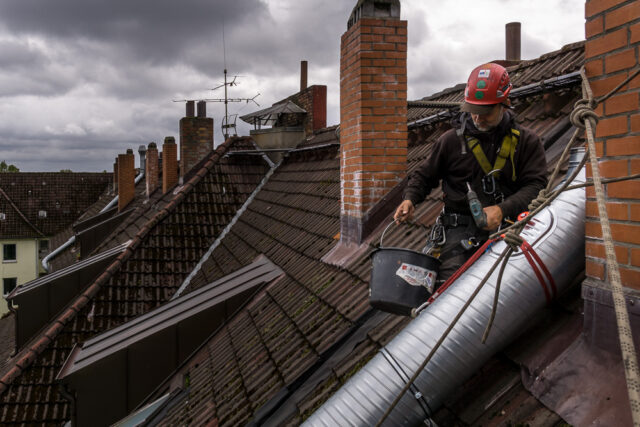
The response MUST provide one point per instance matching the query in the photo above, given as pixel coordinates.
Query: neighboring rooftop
(38, 204)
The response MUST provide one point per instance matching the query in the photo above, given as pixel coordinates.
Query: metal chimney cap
(142, 149)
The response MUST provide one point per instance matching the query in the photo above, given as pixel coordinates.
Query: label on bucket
(417, 276)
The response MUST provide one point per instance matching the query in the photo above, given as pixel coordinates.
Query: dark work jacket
(447, 164)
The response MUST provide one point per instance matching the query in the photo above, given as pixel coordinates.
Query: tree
(8, 168)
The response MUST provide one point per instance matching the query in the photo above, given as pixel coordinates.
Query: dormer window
(42, 214)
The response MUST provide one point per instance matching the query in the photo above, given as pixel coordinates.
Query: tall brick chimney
(612, 31)
(373, 110)
(151, 172)
(169, 164)
(196, 137)
(126, 178)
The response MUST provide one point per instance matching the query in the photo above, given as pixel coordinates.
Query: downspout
(557, 235)
(65, 245)
(72, 403)
(72, 239)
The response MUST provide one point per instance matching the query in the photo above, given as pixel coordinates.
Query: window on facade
(9, 252)
(8, 284)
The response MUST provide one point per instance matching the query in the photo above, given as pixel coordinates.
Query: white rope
(629, 357)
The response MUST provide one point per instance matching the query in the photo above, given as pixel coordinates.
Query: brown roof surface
(64, 197)
(166, 245)
(266, 361)
(292, 345)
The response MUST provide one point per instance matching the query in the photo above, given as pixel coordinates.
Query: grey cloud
(155, 30)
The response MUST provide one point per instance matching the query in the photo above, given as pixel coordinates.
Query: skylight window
(42, 214)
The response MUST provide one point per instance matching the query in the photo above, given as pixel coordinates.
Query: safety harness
(507, 150)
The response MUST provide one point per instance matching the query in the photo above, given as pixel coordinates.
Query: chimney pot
(190, 109)
(202, 109)
(303, 75)
(142, 152)
(512, 41)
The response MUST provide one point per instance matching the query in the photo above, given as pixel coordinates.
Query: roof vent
(42, 214)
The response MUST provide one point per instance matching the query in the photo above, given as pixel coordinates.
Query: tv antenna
(226, 126)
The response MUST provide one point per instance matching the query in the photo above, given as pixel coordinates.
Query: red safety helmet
(487, 86)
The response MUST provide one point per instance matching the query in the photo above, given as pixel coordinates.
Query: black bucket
(401, 279)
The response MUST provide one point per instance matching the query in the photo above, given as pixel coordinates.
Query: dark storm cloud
(152, 30)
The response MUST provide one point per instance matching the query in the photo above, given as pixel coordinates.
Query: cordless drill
(475, 206)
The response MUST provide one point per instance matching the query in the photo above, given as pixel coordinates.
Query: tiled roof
(165, 247)
(564, 61)
(266, 360)
(298, 339)
(63, 196)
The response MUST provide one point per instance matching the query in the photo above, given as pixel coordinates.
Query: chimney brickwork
(169, 164)
(373, 116)
(151, 172)
(126, 179)
(611, 53)
(196, 139)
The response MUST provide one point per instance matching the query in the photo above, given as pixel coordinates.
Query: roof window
(42, 214)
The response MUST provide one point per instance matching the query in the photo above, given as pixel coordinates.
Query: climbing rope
(625, 336)
(584, 119)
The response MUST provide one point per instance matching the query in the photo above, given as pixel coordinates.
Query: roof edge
(41, 342)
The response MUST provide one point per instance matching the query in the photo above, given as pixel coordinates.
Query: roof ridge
(523, 64)
(39, 344)
(24, 218)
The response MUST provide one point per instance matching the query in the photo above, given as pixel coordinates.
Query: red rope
(533, 257)
(530, 254)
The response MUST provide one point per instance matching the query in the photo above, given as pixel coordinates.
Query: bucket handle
(387, 227)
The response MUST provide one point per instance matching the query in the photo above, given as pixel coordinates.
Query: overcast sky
(83, 80)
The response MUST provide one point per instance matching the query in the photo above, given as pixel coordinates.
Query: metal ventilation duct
(557, 235)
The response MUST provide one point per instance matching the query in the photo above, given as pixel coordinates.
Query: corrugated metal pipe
(557, 236)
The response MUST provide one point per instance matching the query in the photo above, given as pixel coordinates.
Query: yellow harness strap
(507, 150)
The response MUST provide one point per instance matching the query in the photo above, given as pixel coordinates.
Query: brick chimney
(612, 31)
(169, 164)
(196, 137)
(151, 171)
(126, 178)
(373, 110)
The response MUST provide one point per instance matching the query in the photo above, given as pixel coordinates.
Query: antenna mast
(225, 121)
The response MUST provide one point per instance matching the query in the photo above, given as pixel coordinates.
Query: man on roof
(487, 152)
